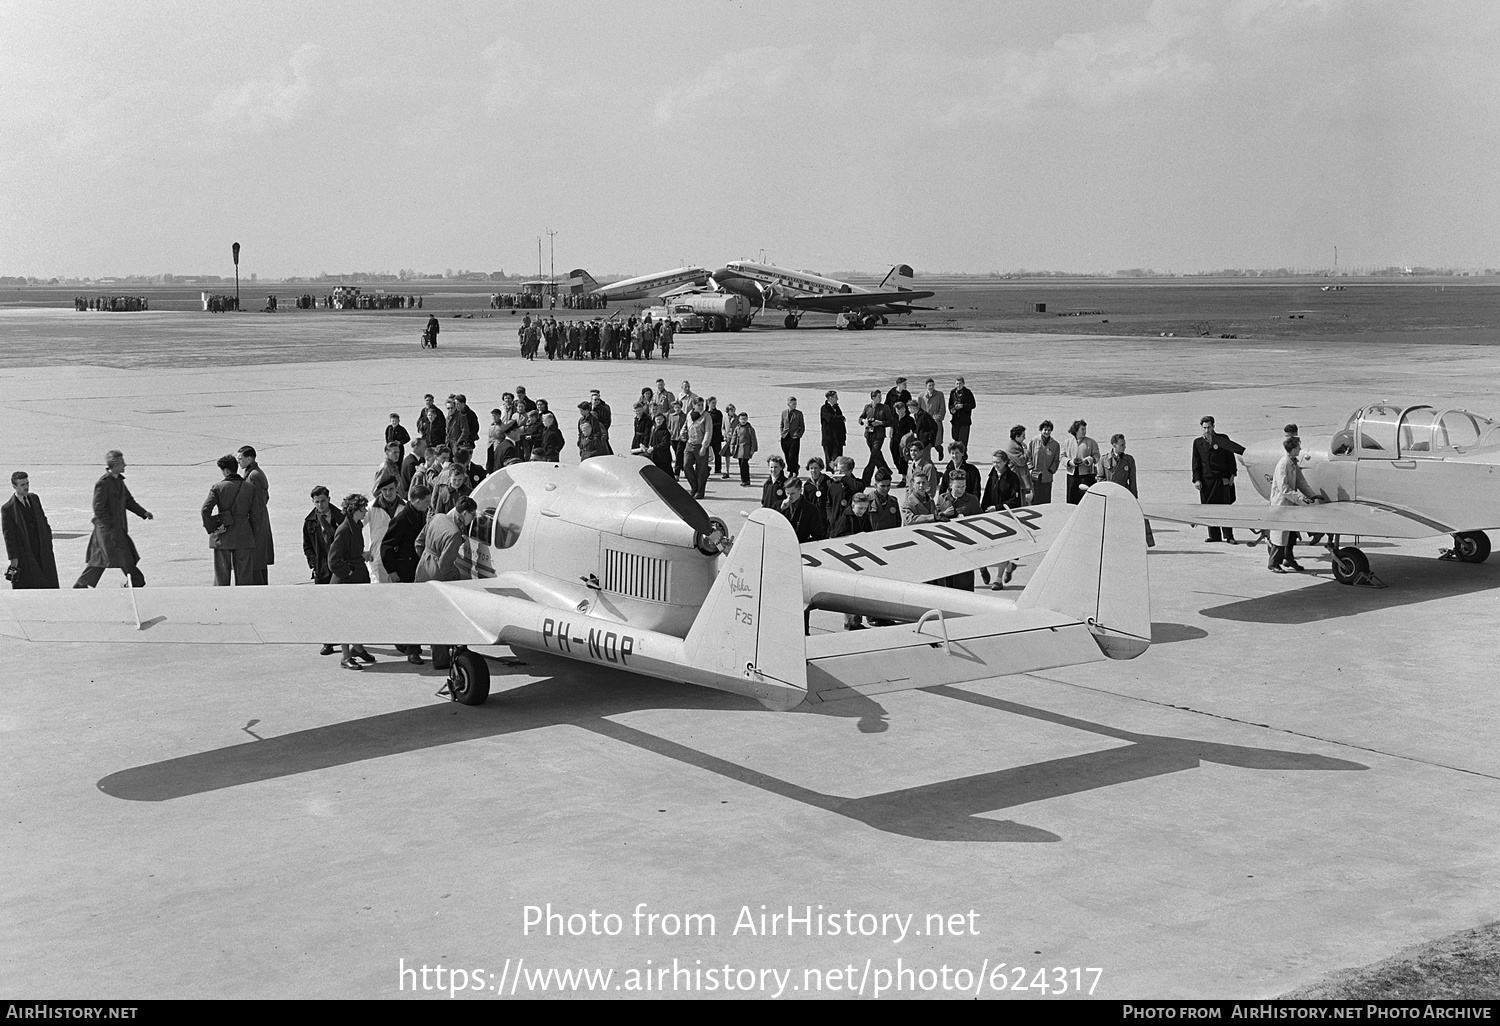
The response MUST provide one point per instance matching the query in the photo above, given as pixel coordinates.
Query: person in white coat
(1288, 488)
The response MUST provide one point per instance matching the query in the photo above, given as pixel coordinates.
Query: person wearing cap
(773, 492)
(792, 429)
(876, 418)
(834, 431)
(383, 510)
(260, 515)
(1214, 471)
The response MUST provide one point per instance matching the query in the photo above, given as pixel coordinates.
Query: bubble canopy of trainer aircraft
(1391, 431)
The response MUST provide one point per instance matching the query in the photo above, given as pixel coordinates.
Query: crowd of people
(519, 301)
(220, 304)
(412, 523)
(113, 303)
(350, 297)
(598, 339)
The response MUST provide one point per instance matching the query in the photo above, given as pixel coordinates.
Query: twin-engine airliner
(798, 292)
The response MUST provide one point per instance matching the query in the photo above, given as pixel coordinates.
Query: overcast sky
(1087, 135)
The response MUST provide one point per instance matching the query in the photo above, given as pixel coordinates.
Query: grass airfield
(1297, 778)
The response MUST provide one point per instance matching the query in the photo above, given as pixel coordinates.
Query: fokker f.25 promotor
(1392, 471)
(613, 563)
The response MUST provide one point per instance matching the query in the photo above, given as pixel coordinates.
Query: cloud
(744, 82)
(262, 101)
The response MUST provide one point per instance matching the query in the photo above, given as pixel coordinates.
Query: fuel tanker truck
(720, 311)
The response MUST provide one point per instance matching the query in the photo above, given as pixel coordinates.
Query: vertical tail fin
(1096, 572)
(900, 278)
(748, 637)
(578, 278)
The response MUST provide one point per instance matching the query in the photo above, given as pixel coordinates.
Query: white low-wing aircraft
(1392, 471)
(797, 292)
(612, 562)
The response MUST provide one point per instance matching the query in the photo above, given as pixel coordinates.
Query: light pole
(235, 249)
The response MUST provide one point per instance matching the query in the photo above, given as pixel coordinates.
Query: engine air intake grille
(642, 577)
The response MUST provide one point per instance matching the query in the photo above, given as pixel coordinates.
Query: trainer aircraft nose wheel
(1471, 546)
(469, 678)
(1349, 565)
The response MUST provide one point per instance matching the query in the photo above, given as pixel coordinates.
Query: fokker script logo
(738, 586)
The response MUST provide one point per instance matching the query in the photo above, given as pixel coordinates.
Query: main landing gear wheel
(469, 678)
(790, 321)
(1471, 546)
(1350, 566)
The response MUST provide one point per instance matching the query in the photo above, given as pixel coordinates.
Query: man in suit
(226, 518)
(792, 429)
(28, 537)
(260, 516)
(1214, 471)
(110, 546)
(961, 409)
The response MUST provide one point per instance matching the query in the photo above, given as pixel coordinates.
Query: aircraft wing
(925, 552)
(885, 659)
(850, 300)
(1342, 518)
(429, 613)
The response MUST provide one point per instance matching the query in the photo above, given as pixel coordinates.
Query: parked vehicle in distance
(681, 315)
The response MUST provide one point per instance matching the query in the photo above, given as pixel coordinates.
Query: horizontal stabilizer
(946, 650)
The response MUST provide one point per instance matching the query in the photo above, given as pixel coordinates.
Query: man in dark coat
(792, 429)
(898, 394)
(1214, 471)
(28, 537)
(773, 493)
(318, 531)
(602, 414)
(804, 515)
(226, 518)
(260, 516)
(110, 545)
(398, 548)
(961, 410)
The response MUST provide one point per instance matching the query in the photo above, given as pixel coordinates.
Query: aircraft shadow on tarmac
(1409, 580)
(946, 810)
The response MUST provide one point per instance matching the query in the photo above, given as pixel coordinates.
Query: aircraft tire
(1472, 546)
(1349, 564)
(469, 678)
(790, 321)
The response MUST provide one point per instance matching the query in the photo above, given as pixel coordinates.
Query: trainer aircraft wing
(1341, 518)
(289, 614)
(925, 552)
(851, 300)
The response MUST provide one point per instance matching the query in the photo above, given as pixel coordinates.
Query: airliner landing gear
(1351, 566)
(468, 678)
(791, 320)
(1468, 547)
